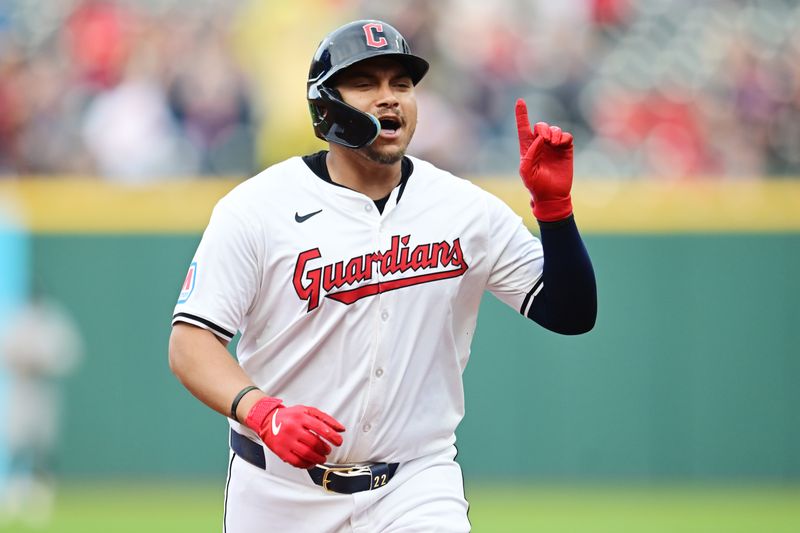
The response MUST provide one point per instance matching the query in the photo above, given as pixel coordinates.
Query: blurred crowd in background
(146, 90)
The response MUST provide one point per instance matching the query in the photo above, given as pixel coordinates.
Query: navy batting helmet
(334, 120)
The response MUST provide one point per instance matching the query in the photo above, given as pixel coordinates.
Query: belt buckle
(328, 470)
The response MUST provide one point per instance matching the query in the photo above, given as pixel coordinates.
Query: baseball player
(354, 276)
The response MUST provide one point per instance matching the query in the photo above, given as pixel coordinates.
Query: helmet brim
(415, 65)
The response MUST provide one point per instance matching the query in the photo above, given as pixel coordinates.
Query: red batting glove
(545, 166)
(295, 434)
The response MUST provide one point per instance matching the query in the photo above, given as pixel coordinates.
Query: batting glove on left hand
(545, 166)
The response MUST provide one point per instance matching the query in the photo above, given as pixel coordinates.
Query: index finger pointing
(521, 111)
(523, 127)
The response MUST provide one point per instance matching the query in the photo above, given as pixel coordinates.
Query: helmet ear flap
(336, 121)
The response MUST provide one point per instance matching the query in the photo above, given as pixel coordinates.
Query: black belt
(342, 479)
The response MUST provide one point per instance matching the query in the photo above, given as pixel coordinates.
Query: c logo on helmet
(371, 30)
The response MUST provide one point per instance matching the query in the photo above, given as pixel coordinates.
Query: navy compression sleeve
(567, 299)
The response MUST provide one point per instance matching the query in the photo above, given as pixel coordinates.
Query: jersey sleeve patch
(201, 322)
(188, 283)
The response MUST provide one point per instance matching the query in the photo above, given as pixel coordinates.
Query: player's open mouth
(390, 127)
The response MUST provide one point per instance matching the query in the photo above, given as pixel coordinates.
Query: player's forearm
(567, 302)
(206, 369)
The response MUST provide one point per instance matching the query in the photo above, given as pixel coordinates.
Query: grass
(197, 508)
(635, 510)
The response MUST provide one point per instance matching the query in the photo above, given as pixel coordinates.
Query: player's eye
(360, 81)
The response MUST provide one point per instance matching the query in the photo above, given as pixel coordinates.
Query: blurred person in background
(130, 132)
(39, 347)
(209, 97)
(39, 114)
(128, 126)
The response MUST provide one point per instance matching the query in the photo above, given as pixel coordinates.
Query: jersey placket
(381, 319)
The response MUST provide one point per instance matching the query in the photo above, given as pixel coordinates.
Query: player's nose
(386, 96)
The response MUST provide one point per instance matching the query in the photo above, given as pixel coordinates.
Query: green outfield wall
(691, 372)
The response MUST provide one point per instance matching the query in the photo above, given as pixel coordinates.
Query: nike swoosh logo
(275, 428)
(303, 218)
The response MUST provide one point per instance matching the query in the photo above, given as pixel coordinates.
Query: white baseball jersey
(365, 315)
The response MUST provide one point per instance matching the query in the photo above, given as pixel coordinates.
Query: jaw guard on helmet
(333, 119)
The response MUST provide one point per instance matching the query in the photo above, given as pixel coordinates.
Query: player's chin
(388, 149)
(385, 154)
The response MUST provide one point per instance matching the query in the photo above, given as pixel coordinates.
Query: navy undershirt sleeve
(567, 301)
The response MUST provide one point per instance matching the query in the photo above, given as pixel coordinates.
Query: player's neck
(354, 171)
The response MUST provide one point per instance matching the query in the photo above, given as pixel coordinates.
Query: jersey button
(379, 372)
(366, 427)
(385, 316)
(367, 207)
